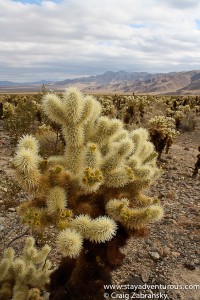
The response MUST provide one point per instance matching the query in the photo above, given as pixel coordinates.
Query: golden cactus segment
(81, 224)
(28, 142)
(26, 161)
(133, 218)
(56, 199)
(24, 273)
(91, 179)
(53, 108)
(92, 156)
(69, 242)
(101, 229)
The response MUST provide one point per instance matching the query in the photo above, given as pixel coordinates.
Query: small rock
(160, 281)
(135, 280)
(187, 149)
(46, 296)
(189, 266)
(4, 189)
(1, 227)
(169, 222)
(11, 209)
(176, 254)
(166, 251)
(145, 276)
(154, 255)
(2, 220)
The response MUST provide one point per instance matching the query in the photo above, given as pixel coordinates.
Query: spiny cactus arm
(138, 136)
(101, 229)
(105, 130)
(90, 180)
(53, 108)
(119, 177)
(89, 104)
(90, 126)
(29, 244)
(117, 155)
(6, 263)
(55, 160)
(73, 159)
(26, 161)
(81, 224)
(146, 149)
(42, 255)
(4, 268)
(121, 135)
(28, 142)
(20, 291)
(151, 158)
(34, 294)
(29, 275)
(42, 276)
(91, 156)
(69, 242)
(142, 200)
(56, 199)
(72, 106)
(133, 218)
(6, 290)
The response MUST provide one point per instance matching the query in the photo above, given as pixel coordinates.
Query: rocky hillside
(120, 82)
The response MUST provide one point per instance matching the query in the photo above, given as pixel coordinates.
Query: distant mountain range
(119, 82)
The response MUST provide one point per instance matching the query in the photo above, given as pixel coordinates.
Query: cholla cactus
(134, 109)
(108, 108)
(162, 131)
(93, 193)
(24, 277)
(20, 116)
(177, 115)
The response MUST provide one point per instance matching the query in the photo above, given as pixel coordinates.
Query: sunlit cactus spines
(24, 277)
(80, 191)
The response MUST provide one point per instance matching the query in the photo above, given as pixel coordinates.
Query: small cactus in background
(134, 109)
(108, 108)
(177, 115)
(20, 117)
(24, 277)
(93, 193)
(163, 133)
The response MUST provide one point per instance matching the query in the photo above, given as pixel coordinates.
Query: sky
(60, 39)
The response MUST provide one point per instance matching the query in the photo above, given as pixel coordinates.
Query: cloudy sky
(55, 40)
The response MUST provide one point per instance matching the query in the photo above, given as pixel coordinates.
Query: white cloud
(61, 39)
